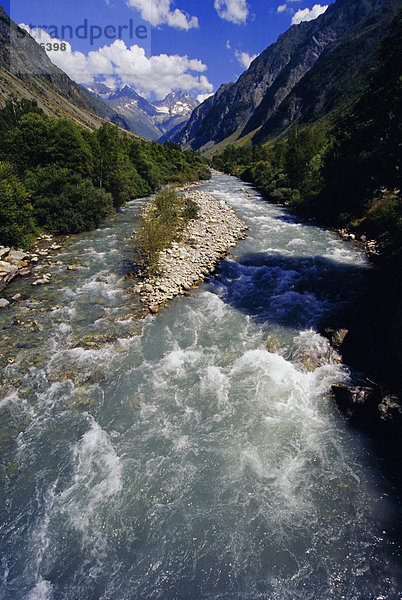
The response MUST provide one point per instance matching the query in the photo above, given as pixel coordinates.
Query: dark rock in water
(390, 408)
(368, 404)
(336, 337)
(378, 415)
(357, 401)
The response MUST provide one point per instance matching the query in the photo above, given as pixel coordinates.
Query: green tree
(64, 202)
(17, 225)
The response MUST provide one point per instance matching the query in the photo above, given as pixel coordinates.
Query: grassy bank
(163, 223)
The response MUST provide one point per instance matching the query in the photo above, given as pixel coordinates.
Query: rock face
(151, 120)
(206, 240)
(27, 71)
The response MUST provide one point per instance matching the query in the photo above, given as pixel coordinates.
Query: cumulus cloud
(202, 97)
(306, 14)
(117, 65)
(244, 58)
(281, 8)
(159, 12)
(235, 11)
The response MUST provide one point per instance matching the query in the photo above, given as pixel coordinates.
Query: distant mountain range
(149, 119)
(314, 71)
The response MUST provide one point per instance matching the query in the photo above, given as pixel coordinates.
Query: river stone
(335, 336)
(17, 255)
(3, 251)
(350, 399)
(41, 282)
(5, 266)
(4, 303)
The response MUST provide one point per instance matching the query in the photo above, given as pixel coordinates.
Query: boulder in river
(336, 337)
(358, 401)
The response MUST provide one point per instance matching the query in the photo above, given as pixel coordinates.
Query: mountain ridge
(150, 119)
(270, 77)
(26, 71)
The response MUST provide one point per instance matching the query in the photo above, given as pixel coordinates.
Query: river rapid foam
(195, 454)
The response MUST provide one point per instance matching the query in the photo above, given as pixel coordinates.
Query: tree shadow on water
(296, 292)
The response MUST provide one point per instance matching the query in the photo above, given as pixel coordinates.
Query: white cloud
(118, 64)
(235, 11)
(159, 12)
(308, 15)
(244, 58)
(228, 46)
(281, 8)
(202, 97)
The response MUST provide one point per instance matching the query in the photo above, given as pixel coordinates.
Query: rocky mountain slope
(152, 120)
(333, 84)
(240, 108)
(27, 72)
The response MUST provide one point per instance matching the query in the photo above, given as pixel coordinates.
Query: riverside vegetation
(350, 178)
(60, 178)
(163, 223)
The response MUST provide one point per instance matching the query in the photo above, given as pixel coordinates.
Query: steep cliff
(242, 107)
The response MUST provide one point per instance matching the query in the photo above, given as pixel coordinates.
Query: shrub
(162, 225)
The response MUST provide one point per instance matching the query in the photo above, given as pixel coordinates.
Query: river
(197, 454)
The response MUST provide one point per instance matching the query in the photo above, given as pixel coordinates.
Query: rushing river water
(195, 455)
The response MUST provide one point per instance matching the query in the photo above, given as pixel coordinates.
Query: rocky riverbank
(14, 263)
(205, 241)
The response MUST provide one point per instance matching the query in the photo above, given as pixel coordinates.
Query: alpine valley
(189, 411)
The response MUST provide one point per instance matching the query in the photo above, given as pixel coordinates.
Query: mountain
(151, 120)
(330, 88)
(135, 110)
(27, 72)
(174, 110)
(238, 109)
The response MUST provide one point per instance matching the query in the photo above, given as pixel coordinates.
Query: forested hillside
(351, 178)
(58, 177)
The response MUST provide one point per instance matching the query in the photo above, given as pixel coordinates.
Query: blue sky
(159, 45)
